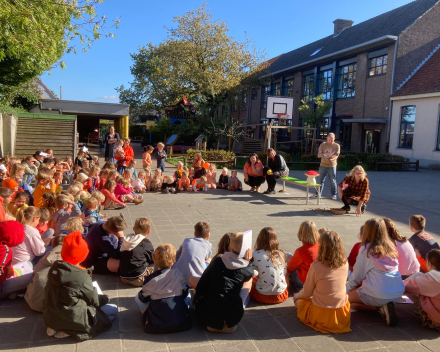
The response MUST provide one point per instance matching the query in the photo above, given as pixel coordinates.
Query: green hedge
(263, 156)
(6, 109)
(211, 155)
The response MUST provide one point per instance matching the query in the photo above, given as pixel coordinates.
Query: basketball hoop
(282, 116)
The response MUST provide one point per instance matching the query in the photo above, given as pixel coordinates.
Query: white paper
(3, 167)
(247, 243)
(405, 300)
(97, 288)
(22, 268)
(84, 149)
(43, 154)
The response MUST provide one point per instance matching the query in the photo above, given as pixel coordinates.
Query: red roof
(425, 80)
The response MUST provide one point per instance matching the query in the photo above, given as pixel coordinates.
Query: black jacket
(278, 165)
(223, 180)
(217, 298)
(71, 304)
(134, 262)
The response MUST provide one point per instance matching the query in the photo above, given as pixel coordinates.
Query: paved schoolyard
(265, 328)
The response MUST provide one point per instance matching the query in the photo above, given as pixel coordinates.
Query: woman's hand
(359, 210)
(339, 192)
(248, 254)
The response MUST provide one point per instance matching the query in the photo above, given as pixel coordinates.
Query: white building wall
(425, 130)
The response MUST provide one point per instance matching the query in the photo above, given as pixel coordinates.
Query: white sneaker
(334, 197)
(313, 196)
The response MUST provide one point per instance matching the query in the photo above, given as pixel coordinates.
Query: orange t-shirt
(302, 258)
(250, 171)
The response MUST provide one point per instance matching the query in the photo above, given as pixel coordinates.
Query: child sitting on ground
(103, 175)
(73, 190)
(94, 177)
(146, 157)
(123, 192)
(427, 286)
(139, 183)
(58, 179)
(136, 254)
(84, 314)
(194, 253)
(60, 217)
(191, 173)
(72, 225)
(223, 179)
(91, 214)
(211, 176)
(408, 263)
(305, 255)
(132, 168)
(355, 251)
(178, 173)
(183, 184)
(323, 304)
(147, 180)
(18, 203)
(35, 291)
(234, 184)
(32, 249)
(168, 185)
(43, 180)
(421, 241)
(81, 199)
(218, 304)
(101, 200)
(200, 184)
(162, 298)
(269, 262)
(378, 269)
(156, 181)
(85, 180)
(111, 202)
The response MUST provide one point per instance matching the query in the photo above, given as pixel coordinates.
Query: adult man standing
(329, 153)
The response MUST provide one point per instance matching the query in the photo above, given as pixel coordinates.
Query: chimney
(341, 24)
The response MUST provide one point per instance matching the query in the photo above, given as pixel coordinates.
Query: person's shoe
(334, 197)
(314, 196)
(225, 330)
(257, 189)
(50, 332)
(253, 189)
(137, 201)
(346, 208)
(61, 335)
(363, 207)
(387, 311)
(268, 191)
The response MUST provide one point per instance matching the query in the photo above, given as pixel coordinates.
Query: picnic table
(302, 183)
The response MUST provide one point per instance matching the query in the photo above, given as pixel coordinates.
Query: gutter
(391, 37)
(390, 112)
(60, 112)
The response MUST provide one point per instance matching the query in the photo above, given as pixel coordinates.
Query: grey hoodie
(164, 284)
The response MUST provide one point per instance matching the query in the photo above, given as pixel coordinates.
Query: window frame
(351, 86)
(265, 92)
(308, 86)
(275, 88)
(437, 146)
(402, 142)
(243, 101)
(327, 95)
(370, 61)
(254, 94)
(235, 103)
(286, 87)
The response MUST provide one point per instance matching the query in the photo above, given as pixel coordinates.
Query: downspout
(390, 108)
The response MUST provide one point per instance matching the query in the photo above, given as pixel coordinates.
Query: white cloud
(110, 97)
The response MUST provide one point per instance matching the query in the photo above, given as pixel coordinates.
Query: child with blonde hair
(178, 173)
(73, 190)
(184, 183)
(200, 184)
(161, 155)
(80, 200)
(44, 179)
(85, 180)
(94, 177)
(223, 179)
(197, 165)
(73, 225)
(101, 199)
(377, 267)
(91, 214)
(18, 203)
(408, 263)
(132, 168)
(234, 184)
(139, 183)
(211, 176)
(305, 255)
(269, 286)
(156, 181)
(64, 204)
(111, 202)
(323, 303)
(147, 180)
(123, 192)
(162, 298)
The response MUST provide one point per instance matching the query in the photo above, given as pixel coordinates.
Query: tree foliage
(198, 59)
(36, 33)
(314, 112)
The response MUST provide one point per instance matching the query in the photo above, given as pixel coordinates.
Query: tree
(198, 59)
(24, 96)
(35, 34)
(314, 112)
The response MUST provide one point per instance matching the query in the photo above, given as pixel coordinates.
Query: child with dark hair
(421, 241)
(18, 203)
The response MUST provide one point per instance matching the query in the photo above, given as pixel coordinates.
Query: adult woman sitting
(354, 190)
(110, 139)
(128, 156)
(277, 164)
(198, 162)
(81, 156)
(253, 172)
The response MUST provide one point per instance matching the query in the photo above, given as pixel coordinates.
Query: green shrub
(352, 159)
(372, 158)
(263, 156)
(310, 158)
(211, 155)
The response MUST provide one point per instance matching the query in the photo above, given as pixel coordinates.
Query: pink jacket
(121, 190)
(110, 196)
(428, 287)
(408, 263)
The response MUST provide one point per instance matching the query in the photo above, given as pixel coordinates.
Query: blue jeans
(28, 178)
(162, 167)
(111, 310)
(331, 172)
(15, 284)
(296, 281)
(121, 169)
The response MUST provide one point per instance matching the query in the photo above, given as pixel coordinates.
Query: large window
(235, 104)
(243, 100)
(288, 88)
(346, 81)
(308, 87)
(276, 89)
(254, 93)
(264, 93)
(378, 65)
(325, 84)
(407, 122)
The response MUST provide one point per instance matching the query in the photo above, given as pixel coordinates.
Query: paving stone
(385, 335)
(356, 340)
(197, 336)
(243, 346)
(238, 335)
(139, 341)
(317, 343)
(262, 328)
(277, 345)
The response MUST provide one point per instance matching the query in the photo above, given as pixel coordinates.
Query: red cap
(75, 249)
(9, 183)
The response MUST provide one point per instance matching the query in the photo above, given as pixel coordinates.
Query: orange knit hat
(9, 183)
(75, 249)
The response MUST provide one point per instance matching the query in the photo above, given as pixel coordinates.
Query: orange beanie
(75, 249)
(9, 183)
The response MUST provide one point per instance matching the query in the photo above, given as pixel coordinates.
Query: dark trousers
(255, 181)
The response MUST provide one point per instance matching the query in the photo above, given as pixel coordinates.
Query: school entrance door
(372, 140)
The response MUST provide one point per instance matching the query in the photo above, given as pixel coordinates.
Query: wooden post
(230, 143)
(235, 162)
(301, 150)
(204, 146)
(312, 150)
(275, 139)
(184, 161)
(218, 145)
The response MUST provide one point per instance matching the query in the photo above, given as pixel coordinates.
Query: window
(407, 122)
(243, 100)
(288, 88)
(235, 105)
(276, 89)
(325, 84)
(346, 81)
(254, 93)
(264, 93)
(378, 65)
(308, 88)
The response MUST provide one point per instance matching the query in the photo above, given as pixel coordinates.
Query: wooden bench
(302, 183)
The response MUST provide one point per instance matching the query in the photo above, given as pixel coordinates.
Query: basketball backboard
(279, 107)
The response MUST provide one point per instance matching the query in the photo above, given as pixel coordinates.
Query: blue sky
(276, 27)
